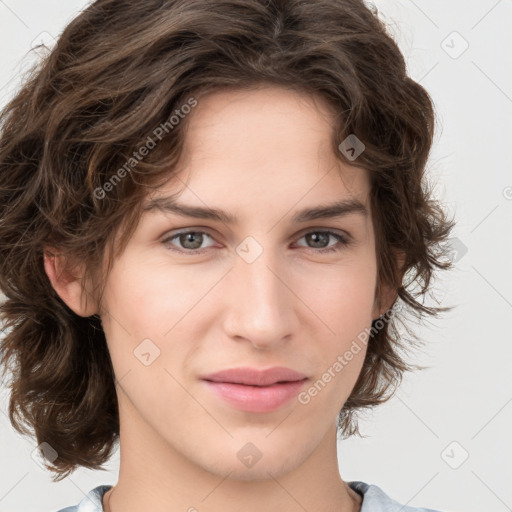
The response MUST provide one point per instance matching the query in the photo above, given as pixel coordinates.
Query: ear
(385, 294)
(68, 283)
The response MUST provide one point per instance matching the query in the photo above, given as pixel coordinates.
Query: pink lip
(254, 376)
(254, 390)
(256, 398)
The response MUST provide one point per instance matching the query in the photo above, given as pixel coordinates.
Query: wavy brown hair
(119, 71)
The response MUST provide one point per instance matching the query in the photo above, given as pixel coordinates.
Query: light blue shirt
(374, 500)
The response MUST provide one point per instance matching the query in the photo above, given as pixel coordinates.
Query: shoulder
(92, 502)
(376, 500)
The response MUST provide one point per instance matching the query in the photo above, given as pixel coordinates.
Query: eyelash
(343, 242)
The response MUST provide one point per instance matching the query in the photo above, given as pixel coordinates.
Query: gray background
(460, 407)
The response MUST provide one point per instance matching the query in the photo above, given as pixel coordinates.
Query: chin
(247, 463)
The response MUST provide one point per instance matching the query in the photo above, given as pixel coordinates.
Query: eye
(191, 241)
(321, 237)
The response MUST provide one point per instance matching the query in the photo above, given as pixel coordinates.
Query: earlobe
(68, 283)
(383, 301)
(387, 297)
(386, 294)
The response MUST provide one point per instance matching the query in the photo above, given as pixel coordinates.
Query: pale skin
(261, 155)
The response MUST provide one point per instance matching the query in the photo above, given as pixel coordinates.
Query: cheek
(148, 297)
(343, 300)
(150, 300)
(344, 306)
(342, 297)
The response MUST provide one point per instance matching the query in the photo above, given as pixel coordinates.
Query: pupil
(318, 237)
(190, 237)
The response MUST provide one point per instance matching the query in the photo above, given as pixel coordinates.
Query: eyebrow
(328, 211)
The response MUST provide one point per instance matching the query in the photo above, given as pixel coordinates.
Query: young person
(213, 215)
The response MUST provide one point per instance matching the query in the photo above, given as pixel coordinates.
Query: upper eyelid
(180, 231)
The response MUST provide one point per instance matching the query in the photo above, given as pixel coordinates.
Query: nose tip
(260, 305)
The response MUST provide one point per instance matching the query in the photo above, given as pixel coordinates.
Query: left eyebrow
(328, 211)
(333, 210)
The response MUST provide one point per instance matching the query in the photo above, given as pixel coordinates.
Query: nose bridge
(260, 303)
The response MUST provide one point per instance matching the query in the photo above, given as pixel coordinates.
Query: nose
(259, 305)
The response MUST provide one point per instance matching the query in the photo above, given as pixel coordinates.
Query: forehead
(266, 148)
(266, 119)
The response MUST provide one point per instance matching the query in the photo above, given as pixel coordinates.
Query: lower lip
(256, 398)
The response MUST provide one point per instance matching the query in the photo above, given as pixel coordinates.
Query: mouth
(255, 376)
(256, 398)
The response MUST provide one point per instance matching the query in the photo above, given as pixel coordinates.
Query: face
(192, 296)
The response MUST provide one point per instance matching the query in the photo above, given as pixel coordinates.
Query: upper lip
(255, 377)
